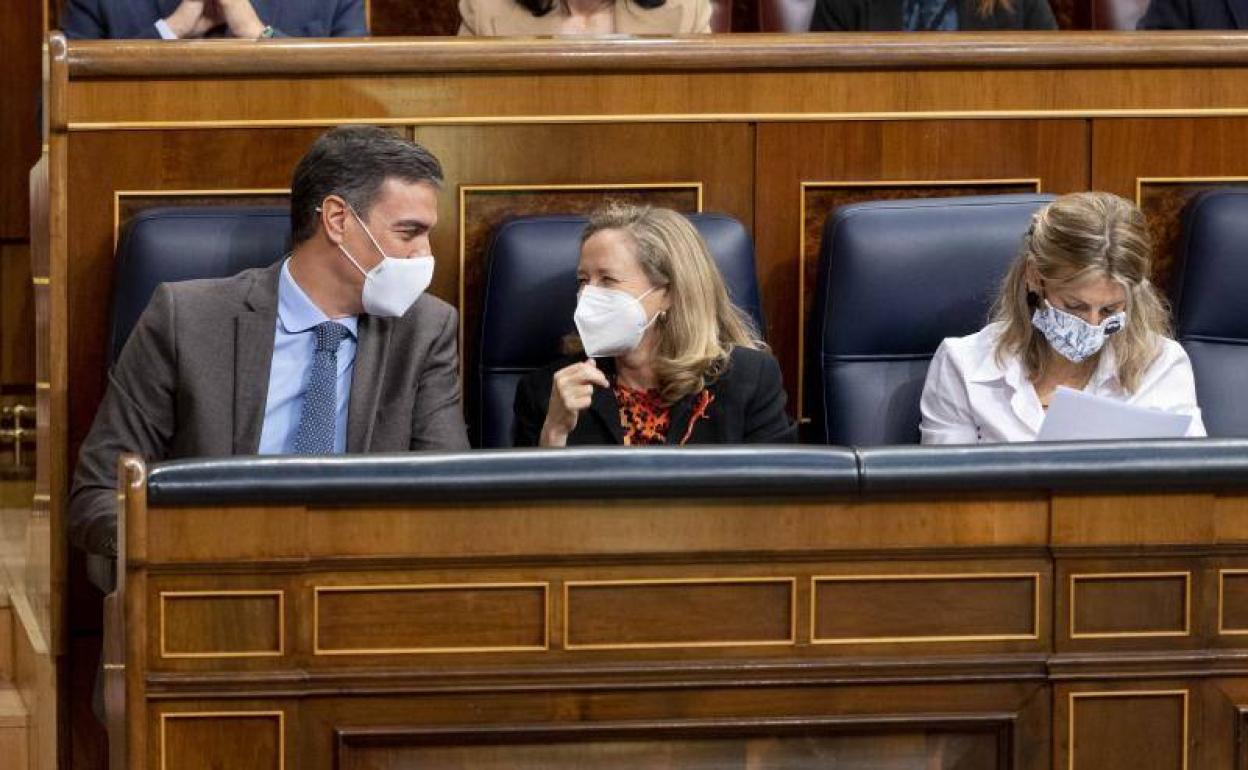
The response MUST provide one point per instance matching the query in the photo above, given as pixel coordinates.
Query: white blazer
(971, 399)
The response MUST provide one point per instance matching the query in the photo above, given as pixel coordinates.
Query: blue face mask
(1071, 336)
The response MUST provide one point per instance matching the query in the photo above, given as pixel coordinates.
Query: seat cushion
(1209, 302)
(161, 245)
(896, 278)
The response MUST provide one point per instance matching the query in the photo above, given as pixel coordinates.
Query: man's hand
(193, 18)
(241, 18)
(570, 394)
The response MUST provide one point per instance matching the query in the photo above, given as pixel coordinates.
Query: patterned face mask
(1070, 335)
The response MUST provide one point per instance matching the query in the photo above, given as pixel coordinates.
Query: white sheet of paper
(1077, 416)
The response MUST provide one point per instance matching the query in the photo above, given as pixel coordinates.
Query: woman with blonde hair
(661, 355)
(1076, 309)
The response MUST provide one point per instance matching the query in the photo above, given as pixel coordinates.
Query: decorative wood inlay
(1123, 605)
(208, 740)
(881, 609)
(1140, 729)
(430, 618)
(678, 612)
(1233, 602)
(1164, 199)
(222, 624)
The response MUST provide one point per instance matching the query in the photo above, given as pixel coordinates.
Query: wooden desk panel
(638, 632)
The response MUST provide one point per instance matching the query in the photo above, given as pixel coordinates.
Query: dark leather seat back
(530, 295)
(1211, 306)
(162, 245)
(895, 278)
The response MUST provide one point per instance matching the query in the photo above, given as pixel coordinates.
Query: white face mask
(1070, 335)
(611, 322)
(394, 285)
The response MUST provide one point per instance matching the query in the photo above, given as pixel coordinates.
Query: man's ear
(334, 213)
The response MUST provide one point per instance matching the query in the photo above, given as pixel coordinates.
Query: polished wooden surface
(668, 633)
(969, 50)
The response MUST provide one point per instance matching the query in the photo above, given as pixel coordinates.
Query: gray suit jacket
(193, 379)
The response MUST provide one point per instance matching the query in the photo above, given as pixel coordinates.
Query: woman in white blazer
(1076, 310)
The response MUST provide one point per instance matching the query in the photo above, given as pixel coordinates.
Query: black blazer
(885, 16)
(118, 19)
(748, 407)
(1195, 14)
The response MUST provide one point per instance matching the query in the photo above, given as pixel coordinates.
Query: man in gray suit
(335, 348)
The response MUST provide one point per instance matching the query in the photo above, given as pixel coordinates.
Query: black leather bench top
(719, 472)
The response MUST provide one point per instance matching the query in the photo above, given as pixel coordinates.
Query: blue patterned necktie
(315, 434)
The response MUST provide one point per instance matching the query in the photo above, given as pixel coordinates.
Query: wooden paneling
(17, 318)
(402, 619)
(234, 739)
(21, 34)
(718, 612)
(1162, 164)
(1233, 602)
(1130, 604)
(939, 748)
(221, 624)
(930, 609)
(1143, 729)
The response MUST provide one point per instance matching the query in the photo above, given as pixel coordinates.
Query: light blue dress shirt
(294, 344)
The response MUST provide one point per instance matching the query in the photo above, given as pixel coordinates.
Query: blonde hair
(702, 326)
(1075, 237)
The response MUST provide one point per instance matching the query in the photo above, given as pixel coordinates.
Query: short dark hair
(354, 162)
(543, 7)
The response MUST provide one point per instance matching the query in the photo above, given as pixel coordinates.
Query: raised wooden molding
(898, 50)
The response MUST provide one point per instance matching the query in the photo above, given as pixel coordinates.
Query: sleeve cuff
(166, 32)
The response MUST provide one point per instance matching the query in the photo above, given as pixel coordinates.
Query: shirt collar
(297, 312)
(1011, 369)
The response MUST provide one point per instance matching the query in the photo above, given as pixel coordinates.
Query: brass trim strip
(281, 624)
(815, 580)
(41, 280)
(316, 618)
(791, 581)
(799, 409)
(1187, 604)
(211, 193)
(1070, 718)
(466, 189)
(1141, 181)
(692, 117)
(166, 716)
(1222, 628)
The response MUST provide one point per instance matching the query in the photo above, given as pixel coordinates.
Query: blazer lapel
(369, 369)
(604, 407)
(631, 19)
(253, 357)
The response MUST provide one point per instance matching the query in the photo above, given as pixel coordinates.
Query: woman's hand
(570, 394)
